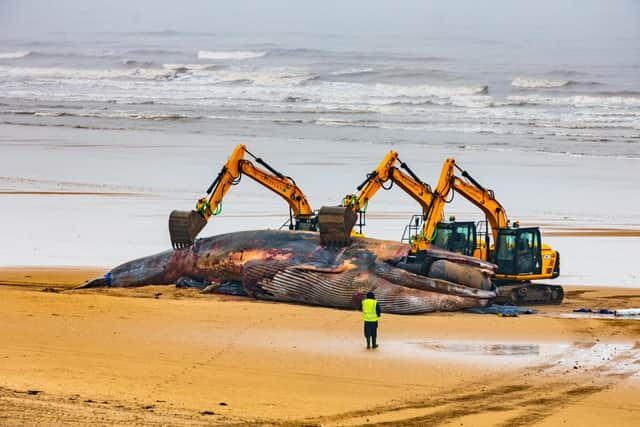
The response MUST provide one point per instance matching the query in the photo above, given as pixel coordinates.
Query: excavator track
(529, 294)
(184, 226)
(336, 223)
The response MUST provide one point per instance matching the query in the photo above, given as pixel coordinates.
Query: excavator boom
(434, 213)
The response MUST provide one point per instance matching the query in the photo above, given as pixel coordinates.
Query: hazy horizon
(459, 18)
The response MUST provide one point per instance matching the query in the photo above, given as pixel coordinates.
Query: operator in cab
(370, 315)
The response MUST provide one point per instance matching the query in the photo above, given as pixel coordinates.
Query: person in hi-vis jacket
(370, 315)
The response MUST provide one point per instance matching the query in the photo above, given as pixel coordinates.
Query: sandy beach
(167, 356)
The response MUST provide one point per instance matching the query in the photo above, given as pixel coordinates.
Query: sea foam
(521, 82)
(15, 55)
(352, 72)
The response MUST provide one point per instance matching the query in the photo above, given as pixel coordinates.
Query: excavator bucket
(336, 223)
(184, 226)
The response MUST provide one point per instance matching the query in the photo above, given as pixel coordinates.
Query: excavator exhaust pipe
(184, 226)
(336, 223)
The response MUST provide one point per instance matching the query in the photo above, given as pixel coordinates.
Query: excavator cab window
(518, 251)
(459, 237)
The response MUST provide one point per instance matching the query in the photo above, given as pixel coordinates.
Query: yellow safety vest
(369, 310)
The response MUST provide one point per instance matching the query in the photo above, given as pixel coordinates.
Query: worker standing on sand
(370, 315)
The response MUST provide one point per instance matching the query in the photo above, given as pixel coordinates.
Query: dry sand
(165, 356)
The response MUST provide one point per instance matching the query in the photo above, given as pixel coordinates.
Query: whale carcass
(292, 266)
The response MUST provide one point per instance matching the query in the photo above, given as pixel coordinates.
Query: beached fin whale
(292, 266)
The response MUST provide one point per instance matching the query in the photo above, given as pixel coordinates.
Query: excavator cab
(459, 237)
(518, 251)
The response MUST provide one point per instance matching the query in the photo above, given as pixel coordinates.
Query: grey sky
(579, 19)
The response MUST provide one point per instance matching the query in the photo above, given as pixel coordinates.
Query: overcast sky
(498, 19)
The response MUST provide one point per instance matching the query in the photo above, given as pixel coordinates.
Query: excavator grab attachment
(184, 227)
(336, 223)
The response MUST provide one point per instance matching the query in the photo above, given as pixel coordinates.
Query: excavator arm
(373, 182)
(484, 199)
(435, 211)
(283, 186)
(184, 226)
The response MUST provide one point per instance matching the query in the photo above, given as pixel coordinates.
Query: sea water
(492, 94)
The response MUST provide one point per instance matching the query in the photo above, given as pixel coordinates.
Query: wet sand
(167, 356)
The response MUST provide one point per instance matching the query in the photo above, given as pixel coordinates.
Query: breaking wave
(577, 101)
(136, 71)
(132, 115)
(232, 54)
(386, 90)
(15, 55)
(266, 77)
(525, 83)
(85, 74)
(353, 72)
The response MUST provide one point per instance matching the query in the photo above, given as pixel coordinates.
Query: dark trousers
(371, 333)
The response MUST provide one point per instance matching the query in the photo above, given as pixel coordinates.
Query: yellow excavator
(517, 251)
(184, 226)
